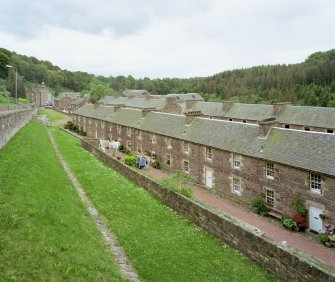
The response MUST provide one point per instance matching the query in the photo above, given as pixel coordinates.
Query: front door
(209, 178)
(315, 222)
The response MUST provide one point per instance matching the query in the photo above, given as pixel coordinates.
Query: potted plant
(332, 241)
(289, 223)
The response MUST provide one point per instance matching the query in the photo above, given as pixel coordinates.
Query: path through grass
(45, 232)
(162, 245)
(54, 116)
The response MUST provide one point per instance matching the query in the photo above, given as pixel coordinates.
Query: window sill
(270, 177)
(315, 192)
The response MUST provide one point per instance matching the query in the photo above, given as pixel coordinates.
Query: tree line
(311, 82)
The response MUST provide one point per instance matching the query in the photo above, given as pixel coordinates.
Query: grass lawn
(46, 234)
(162, 245)
(54, 116)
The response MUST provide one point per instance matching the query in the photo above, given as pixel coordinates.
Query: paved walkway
(110, 239)
(302, 242)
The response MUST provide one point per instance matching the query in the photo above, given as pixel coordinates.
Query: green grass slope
(162, 245)
(46, 234)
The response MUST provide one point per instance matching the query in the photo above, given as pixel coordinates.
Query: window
(118, 129)
(270, 171)
(139, 135)
(186, 147)
(287, 126)
(139, 148)
(129, 145)
(168, 159)
(129, 131)
(315, 182)
(307, 129)
(153, 138)
(269, 197)
(168, 142)
(102, 124)
(237, 186)
(209, 153)
(236, 161)
(110, 127)
(330, 131)
(186, 167)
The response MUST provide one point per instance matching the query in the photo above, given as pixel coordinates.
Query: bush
(156, 164)
(289, 222)
(301, 221)
(179, 182)
(300, 208)
(259, 204)
(130, 160)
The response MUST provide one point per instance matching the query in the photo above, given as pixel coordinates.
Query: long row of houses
(284, 152)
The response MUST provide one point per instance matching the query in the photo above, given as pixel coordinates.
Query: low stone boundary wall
(11, 122)
(14, 107)
(282, 261)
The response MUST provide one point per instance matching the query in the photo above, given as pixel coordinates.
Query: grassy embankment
(55, 117)
(46, 234)
(162, 245)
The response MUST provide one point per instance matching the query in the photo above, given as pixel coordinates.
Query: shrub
(288, 222)
(300, 208)
(323, 237)
(130, 160)
(301, 221)
(156, 164)
(259, 204)
(179, 182)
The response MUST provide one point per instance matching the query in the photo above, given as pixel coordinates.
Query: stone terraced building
(69, 102)
(236, 150)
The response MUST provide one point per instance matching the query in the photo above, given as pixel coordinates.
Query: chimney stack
(146, 111)
(265, 126)
(279, 107)
(228, 104)
(190, 116)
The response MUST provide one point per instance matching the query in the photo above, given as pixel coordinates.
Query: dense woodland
(311, 82)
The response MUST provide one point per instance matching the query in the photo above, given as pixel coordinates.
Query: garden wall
(282, 261)
(11, 122)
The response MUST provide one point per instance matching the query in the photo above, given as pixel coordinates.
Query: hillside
(311, 82)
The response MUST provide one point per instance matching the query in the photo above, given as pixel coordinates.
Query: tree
(97, 91)
(4, 60)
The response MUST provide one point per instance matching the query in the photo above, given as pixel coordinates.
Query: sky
(166, 38)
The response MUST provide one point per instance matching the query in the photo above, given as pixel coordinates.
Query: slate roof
(187, 96)
(126, 117)
(249, 111)
(72, 95)
(208, 108)
(311, 116)
(229, 136)
(136, 102)
(134, 92)
(78, 101)
(171, 125)
(100, 112)
(308, 150)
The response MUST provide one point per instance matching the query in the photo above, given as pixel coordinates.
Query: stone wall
(280, 260)
(11, 122)
(13, 107)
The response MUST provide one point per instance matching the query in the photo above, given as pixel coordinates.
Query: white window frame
(270, 171)
(129, 131)
(168, 159)
(270, 197)
(168, 142)
(236, 161)
(237, 186)
(139, 135)
(209, 153)
(118, 129)
(186, 147)
(128, 144)
(315, 182)
(153, 138)
(139, 148)
(186, 166)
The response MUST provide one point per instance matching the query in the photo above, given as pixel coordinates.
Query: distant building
(70, 101)
(40, 96)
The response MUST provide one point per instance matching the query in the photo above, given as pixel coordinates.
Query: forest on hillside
(311, 82)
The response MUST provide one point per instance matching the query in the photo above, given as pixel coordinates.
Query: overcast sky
(172, 38)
